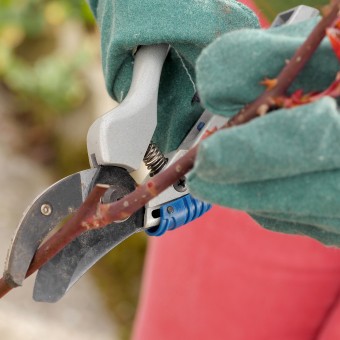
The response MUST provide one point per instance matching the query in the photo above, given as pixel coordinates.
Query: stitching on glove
(186, 71)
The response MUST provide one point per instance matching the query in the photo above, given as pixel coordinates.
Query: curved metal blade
(47, 211)
(57, 276)
(66, 268)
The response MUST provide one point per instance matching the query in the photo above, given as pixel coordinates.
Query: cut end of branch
(103, 186)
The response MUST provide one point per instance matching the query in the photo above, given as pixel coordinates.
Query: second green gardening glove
(284, 168)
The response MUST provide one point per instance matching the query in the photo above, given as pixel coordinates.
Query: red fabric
(250, 3)
(224, 277)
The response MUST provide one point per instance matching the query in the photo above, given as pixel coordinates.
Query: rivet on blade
(46, 209)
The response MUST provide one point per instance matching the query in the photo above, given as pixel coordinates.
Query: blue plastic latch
(200, 126)
(177, 213)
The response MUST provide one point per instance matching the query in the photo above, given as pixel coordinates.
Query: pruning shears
(114, 152)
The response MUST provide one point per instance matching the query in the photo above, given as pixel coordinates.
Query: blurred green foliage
(30, 64)
(271, 8)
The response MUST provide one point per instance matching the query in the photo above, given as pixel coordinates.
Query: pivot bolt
(180, 186)
(46, 209)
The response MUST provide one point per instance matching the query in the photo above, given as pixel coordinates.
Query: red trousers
(224, 277)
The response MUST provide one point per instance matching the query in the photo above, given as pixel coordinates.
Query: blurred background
(51, 89)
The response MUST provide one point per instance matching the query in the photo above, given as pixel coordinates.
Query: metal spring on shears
(154, 159)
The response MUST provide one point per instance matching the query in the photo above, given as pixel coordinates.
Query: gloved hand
(188, 26)
(283, 168)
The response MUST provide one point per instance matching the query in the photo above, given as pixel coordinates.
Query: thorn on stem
(262, 110)
(269, 83)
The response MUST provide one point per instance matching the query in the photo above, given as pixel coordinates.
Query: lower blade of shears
(47, 211)
(57, 276)
(61, 272)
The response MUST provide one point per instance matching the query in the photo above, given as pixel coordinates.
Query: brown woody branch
(93, 215)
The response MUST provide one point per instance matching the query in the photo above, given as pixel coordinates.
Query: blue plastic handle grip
(177, 213)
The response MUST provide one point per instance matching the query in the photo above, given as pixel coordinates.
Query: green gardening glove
(284, 168)
(188, 26)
